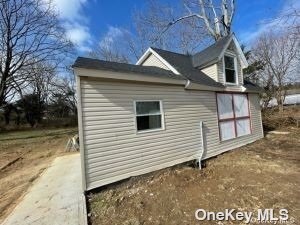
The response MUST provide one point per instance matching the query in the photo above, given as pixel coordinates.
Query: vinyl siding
(152, 60)
(114, 151)
(211, 71)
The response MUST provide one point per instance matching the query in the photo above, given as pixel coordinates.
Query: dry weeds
(265, 174)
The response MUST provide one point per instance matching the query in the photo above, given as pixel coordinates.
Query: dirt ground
(264, 174)
(23, 156)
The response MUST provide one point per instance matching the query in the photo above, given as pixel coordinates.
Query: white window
(149, 115)
(233, 115)
(229, 70)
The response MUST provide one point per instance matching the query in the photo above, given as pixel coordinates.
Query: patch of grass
(35, 133)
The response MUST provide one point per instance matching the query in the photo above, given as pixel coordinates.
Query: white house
(167, 109)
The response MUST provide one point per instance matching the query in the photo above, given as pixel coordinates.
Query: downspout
(202, 144)
(187, 84)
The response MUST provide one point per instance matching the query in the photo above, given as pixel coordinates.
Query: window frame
(235, 68)
(162, 117)
(234, 118)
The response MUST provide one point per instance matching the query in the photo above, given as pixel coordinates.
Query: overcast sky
(89, 21)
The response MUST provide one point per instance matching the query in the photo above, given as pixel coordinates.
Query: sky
(90, 22)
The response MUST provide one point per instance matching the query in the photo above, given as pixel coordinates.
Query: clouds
(112, 35)
(79, 35)
(277, 23)
(75, 22)
(69, 10)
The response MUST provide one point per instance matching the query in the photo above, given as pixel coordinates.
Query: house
(292, 97)
(167, 109)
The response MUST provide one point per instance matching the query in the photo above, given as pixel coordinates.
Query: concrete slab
(55, 199)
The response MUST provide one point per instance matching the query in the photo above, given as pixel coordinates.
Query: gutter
(189, 85)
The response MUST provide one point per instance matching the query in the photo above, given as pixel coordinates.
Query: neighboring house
(134, 119)
(292, 97)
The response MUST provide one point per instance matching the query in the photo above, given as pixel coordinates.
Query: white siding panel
(152, 60)
(113, 150)
(211, 71)
(221, 72)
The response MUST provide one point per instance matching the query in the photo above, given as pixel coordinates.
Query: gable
(155, 60)
(152, 60)
(214, 53)
(234, 46)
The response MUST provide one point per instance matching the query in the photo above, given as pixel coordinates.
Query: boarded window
(234, 115)
(148, 115)
(230, 73)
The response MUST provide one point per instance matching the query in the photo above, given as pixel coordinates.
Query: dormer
(223, 61)
(219, 65)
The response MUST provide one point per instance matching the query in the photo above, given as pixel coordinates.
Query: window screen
(234, 115)
(230, 75)
(148, 115)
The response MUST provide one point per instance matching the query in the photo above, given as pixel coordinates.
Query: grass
(36, 133)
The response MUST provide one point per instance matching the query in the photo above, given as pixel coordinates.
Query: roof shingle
(183, 64)
(210, 54)
(97, 64)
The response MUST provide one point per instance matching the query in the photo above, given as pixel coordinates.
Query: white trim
(244, 63)
(80, 131)
(236, 71)
(161, 59)
(126, 76)
(161, 113)
(240, 53)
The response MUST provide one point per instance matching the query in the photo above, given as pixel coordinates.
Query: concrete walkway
(55, 199)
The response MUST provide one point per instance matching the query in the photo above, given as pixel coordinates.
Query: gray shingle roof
(252, 87)
(186, 65)
(210, 54)
(97, 64)
(183, 64)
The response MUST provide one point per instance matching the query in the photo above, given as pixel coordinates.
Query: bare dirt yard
(23, 156)
(264, 174)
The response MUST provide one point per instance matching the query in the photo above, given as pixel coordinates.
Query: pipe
(187, 84)
(202, 144)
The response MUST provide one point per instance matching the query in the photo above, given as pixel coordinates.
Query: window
(230, 73)
(234, 115)
(148, 115)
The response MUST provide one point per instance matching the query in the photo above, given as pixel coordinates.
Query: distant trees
(33, 53)
(278, 53)
(51, 99)
(30, 36)
(33, 107)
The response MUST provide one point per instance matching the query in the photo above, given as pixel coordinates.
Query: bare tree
(156, 26)
(184, 27)
(278, 53)
(29, 34)
(217, 18)
(64, 88)
(109, 52)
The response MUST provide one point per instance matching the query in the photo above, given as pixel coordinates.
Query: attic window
(230, 71)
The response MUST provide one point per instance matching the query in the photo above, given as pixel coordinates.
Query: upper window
(230, 73)
(148, 115)
(234, 115)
